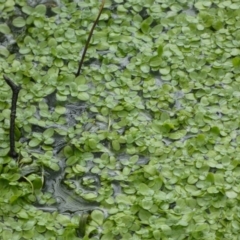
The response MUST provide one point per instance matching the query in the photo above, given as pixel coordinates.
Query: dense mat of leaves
(149, 130)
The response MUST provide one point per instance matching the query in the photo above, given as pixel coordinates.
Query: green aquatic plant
(19, 22)
(148, 130)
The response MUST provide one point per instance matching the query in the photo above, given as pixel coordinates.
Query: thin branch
(89, 39)
(15, 91)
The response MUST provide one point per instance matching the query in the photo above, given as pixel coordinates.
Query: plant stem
(89, 39)
(15, 91)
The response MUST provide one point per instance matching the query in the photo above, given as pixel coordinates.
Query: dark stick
(89, 39)
(15, 91)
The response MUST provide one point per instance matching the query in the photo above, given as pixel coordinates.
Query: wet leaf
(4, 28)
(97, 216)
(19, 22)
(34, 142)
(83, 96)
(72, 160)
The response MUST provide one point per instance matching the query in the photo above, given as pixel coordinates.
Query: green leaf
(92, 143)
(97, 216)
(82, 88)
(4, 28)
(147, 204)
(202, 227)
(34, 142)
(234, 6)
(185, 219)
(11, 177)
(231, 194)
(160, 50)
(212, 190)
(70, 34)
(29, 224)
(192, 179)
(144, 216)
(151, 170)
(48, 133)
(52, 42)
(137, 19)
(156, 30)
(178, 135)
(40, 10)
(143, 189)
(4, 152)
(58, 63)
(39, 23)
(157, 234)
(165, 71)
(7, 234)
(60, 110)
(145, 25)
(155, 61)
(4, 51)
(72, 160)
(68, 151)
(157, 127)
(90, 196)
(83, 96)
(116, 145)
(145, 68)
(134, 159)
(27, 9)
(49, 141)
(19, 22)
(236, 62)
(62, 219)
(122, 198)
(166, 229)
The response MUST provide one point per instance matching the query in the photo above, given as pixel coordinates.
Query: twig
(15, 91)
(89, 39)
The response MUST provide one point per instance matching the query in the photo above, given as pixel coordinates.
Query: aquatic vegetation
(147, 133)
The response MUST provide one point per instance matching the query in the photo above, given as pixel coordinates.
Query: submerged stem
(15, 91)
(89, 39)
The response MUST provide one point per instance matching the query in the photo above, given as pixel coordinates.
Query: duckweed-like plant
(147, 133)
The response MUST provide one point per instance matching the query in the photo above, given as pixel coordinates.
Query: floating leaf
(164, 71)
(27, 9)
(145, 68)
(92, 143)
(178, 135)
(236, 62)
(97, 216)
(83, 96)
(116, 145)
(40, 10)
(155, 61)
(4, 51)
(68, 151)
(72, 160)
(19, 22)
(231, 194)
(48, 133)
(145, 25)
(34, 142)
(4, 28)
(90, 196)
(144, 189)
(70, 33)
(144, 216)
(60, 110)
